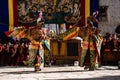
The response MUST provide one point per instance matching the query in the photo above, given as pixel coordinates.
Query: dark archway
(117, 30)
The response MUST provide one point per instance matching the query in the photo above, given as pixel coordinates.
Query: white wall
(113, 16)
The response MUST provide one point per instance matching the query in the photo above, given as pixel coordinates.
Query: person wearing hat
(88, 53)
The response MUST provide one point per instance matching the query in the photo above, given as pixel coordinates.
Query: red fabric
(37, 59)
(7, 33)
(15, 13)
(82, 22)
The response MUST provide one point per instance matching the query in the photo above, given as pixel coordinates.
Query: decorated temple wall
(113, 16)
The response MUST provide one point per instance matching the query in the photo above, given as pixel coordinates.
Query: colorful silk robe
(36, 54)
(88, 48)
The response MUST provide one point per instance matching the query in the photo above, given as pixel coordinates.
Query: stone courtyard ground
(59, 73)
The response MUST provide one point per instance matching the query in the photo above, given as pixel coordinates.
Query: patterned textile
(36, 49)
(88, 47)
(16, 32)
(34, 33)
(70, 33)
(21, 34)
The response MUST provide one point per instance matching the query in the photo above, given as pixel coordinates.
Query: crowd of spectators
(13, 52)
(111, 42)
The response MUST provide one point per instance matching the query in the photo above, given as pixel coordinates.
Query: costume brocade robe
(88, 54)
(36, 54)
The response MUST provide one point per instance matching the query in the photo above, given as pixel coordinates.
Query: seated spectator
(107, 42)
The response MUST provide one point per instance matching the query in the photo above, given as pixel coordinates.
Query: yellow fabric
(21, 34)
(72, 34)
(34, 44)
(15, 32)
(55, 1)
(11, 17)
(37, 65)
(87, 10)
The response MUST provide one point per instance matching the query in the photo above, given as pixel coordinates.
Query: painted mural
(53, 11)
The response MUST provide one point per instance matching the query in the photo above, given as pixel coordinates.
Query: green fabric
(47, 45)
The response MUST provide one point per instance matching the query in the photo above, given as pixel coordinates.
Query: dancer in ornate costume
(89, 50)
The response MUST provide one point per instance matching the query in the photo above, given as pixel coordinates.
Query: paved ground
(59, 73)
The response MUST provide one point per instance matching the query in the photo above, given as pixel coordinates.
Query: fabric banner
(11, 15)
(8, 17)
(54, 11)
(14, 13)
(4, 20)
(91, 7)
